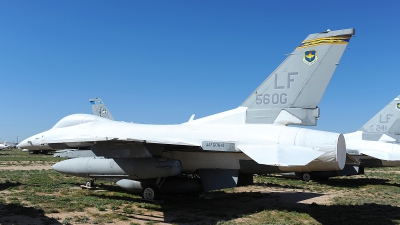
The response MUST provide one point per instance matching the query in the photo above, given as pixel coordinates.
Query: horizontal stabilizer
(285, 118)
(386, 138)
(350, 160)
(381, 155)
(278, 155)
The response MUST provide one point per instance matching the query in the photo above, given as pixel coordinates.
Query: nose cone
(25, 144)
(75, 167)
(66, 167)
(35, 142)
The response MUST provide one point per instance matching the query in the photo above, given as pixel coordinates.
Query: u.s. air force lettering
(273, 98)
(278, 98)
(377, 128)
(218, 146)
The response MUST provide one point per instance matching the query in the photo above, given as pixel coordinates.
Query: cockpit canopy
(76, 119)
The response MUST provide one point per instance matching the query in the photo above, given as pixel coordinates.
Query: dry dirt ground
(25, 165)
(34, 167)
(299, 198)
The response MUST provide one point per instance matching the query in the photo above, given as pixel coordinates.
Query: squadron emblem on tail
(310, 57)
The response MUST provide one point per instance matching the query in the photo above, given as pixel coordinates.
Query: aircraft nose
(24, 144)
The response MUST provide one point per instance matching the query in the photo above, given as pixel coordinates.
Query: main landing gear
(152, 191)
(306, 177)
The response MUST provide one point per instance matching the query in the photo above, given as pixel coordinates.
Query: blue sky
(161, 61)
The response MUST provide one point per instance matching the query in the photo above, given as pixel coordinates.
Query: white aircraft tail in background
(376, 143)
(100, 109)
(37, 144)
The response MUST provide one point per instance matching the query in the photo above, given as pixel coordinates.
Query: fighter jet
(4, 145)
(376, 144)
(220, 150)
(36, 144)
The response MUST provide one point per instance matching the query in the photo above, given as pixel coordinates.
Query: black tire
(306, 177)
(150, 192)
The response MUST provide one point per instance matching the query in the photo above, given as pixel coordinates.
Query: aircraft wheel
(150, 193)
(306, 177)
(90, 183)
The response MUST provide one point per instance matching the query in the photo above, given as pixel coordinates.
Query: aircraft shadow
(125, 198)
(277, 185)
(227, 206)
(14, 213)
(7, 184)
(219, 206)
(17, 214)
(357, 182)
(334, 182)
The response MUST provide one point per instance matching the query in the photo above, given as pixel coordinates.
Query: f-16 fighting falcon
(221, 150)
(376, 144)
(4, 145)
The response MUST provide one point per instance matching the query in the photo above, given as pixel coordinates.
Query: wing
(86, 142)
(381, 155)
(274, 155)
(117, 147)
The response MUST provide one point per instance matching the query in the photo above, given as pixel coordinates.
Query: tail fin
(385, 125)
(297, 85)
(100, 109)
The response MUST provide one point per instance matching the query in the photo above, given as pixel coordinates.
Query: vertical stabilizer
(100, 109)
(297, 85)
(385, 123)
